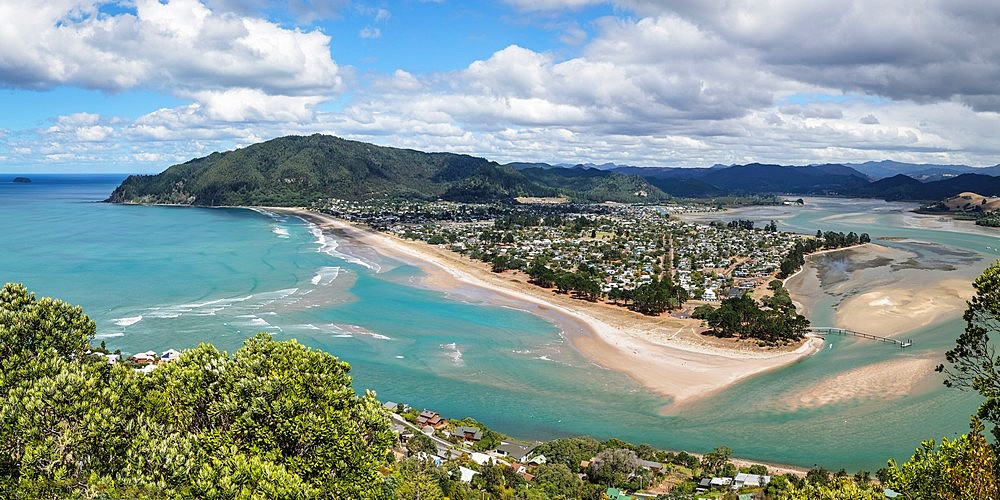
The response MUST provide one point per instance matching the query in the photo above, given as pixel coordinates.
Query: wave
(452, 351)
(281, 231)
(329, 246)
(252, 302)
(267, 213)
(129, 321)
(325, 275)
(360, 330)
(109, 335)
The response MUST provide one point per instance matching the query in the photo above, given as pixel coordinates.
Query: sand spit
(666, 355)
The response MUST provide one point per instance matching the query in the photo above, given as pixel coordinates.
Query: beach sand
(888, 380)
(883, 291)
(664, 354)
(893, 311)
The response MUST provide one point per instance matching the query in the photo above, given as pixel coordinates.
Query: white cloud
(181, 47)
(369, 32)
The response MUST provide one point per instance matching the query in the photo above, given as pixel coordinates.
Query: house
(169, 355)
(481, 458)
(538, 460)
(146, 369)
(144, 358)
(433, 458)
(709, 295)
(656, 467)
(389, 405)
(113, 358)
(517, 452)
(750, 480)
(469, 434)
(616, 494)
(717, 482)
(465, 474)
(522, 470)
(431, 418)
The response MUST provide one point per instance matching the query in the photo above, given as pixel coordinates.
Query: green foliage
(656, 297)
(296, 171)
(714, 461)
(30, 326)
(775, 322)
(973, 361)
(275, 420)
(421, 443)
(557, 480)
(569, 451)
(962, 468)
(613, 466)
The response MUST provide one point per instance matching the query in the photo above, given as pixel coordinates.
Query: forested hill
(298, 170)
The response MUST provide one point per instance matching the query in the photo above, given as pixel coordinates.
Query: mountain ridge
(300, 170)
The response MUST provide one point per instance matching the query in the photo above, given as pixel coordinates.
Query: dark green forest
(300, 171)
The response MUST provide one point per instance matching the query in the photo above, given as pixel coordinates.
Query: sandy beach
(666, 355)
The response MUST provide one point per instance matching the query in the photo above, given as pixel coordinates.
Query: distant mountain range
(298, 170)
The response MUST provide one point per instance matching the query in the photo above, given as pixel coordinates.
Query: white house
(466, 474)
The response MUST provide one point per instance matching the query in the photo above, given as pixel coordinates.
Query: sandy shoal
(891, 311)
(888, 380)
(666, 355)
(911, 300)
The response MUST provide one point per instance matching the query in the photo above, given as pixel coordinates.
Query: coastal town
(610, 249)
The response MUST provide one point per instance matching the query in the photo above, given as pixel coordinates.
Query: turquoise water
(164, 277)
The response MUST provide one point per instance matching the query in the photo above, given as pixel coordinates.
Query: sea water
(169, 277)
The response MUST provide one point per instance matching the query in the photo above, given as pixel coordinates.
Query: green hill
(298, 170)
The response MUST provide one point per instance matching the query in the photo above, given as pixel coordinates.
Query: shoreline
(665, 355)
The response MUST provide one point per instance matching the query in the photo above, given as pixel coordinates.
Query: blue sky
(138, 85)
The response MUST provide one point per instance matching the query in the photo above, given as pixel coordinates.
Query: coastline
(665, 355)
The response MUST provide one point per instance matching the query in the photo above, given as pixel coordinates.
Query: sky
(134, 86)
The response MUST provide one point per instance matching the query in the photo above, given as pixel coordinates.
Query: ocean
(171, 277)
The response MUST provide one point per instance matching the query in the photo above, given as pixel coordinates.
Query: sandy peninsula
(666, 355)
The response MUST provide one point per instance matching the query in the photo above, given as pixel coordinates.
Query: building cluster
(621, 246)
(143, 361)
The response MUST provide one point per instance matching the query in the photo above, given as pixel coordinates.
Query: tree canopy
(275, 419)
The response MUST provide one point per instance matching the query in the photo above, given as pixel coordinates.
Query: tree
(275, 420)
(557, 479)
(962, 468)
(613, 466)
(569, 451)
(714, 461)
(32, 326)
(973, 361)
(421, 443)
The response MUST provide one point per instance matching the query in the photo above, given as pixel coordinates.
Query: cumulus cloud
(182, 47)
(686, 82)
(925, 51)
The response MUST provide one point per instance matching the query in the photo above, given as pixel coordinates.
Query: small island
(22, 180)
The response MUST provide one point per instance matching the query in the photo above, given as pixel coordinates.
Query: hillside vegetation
(298, 170)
